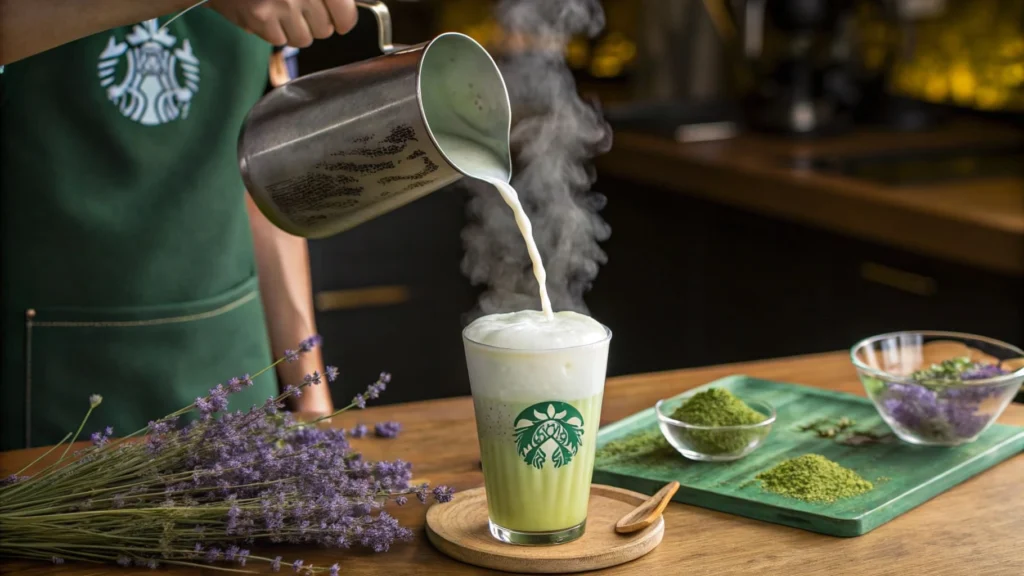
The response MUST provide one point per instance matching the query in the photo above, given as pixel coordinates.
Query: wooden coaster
(459, 529)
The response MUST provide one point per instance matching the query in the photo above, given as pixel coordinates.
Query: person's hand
(290, 22)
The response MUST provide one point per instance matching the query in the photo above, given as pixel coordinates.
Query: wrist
(315, 399)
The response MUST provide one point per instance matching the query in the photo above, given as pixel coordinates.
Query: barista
(130, 248)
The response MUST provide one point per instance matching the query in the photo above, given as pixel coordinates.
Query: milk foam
(532, 330)
(524, 357)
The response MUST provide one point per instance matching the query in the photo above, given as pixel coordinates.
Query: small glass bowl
(713, 443)
(946, 415)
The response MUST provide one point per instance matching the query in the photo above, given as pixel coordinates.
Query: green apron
(125, 228)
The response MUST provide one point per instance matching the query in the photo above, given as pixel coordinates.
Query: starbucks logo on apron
(549, 429)
(149, 77)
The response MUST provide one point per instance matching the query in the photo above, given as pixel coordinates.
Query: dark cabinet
(894, 290)
(691, 282)
(413, 255)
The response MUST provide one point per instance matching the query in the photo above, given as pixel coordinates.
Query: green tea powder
(813, 478)
(635, 447)
(718, 407)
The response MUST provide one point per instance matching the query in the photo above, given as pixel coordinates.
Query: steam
(554, 136)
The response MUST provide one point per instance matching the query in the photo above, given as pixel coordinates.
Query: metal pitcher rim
(423, 115)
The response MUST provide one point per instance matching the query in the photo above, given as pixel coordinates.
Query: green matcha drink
(537, 387)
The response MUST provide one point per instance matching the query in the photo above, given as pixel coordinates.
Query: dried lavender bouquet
(203, 493)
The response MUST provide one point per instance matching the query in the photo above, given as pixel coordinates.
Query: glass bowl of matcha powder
(714, 425)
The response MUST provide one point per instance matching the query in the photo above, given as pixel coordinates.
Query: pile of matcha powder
(718, 407)
(637, 447)
(813, 478)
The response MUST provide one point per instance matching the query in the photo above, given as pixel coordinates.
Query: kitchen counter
(975, 221)
(974, 528)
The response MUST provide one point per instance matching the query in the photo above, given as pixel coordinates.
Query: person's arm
(28, 27)
(287, 291)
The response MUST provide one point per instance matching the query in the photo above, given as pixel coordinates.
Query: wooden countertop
(974, 221)
(975, 528)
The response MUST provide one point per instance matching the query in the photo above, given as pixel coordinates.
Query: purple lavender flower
(332, 373)
(212, 554)
(421, 493)
(940, 414)
(379, 532)
(13, 478)
(297, 565)
(979, 371)
(387, 429)
(963, 420)
(401, 500)
(271, 406)
(243, 555)
(123, 560)
(359, 431)
(275, 565)
(334, 570)
(393, 476)
(310, 343)
(443, 494)
(293, 391)
(291, 355)
(98, 439)
(373, 390)
(218, 398)
(311, 379)
(204, 406)
(162, 426)
(234, 384)
(359, 401)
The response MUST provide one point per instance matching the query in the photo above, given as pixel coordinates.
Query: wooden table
(975, 528)
(979, 222)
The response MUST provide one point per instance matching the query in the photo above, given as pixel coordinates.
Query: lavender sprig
(387, 429)
(201, 492)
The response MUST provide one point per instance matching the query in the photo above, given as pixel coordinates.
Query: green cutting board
(904, 475)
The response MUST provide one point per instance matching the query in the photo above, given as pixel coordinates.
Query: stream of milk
(479, 162)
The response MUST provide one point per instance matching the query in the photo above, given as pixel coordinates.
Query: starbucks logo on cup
(549, 429)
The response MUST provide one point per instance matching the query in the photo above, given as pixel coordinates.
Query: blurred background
(786, 177)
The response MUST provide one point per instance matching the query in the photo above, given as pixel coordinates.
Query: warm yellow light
(577, 53)
(972, 55)
(962, 83)
(936, 88)
(991, 98)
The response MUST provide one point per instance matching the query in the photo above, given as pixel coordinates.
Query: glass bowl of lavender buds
(938, 388)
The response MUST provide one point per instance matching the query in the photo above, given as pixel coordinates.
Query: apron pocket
(146, 362)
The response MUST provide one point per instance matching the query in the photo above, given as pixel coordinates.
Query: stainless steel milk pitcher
(331, 150)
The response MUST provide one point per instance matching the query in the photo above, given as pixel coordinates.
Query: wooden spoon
(647, 513)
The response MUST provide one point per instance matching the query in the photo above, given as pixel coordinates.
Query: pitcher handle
(383, 16)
